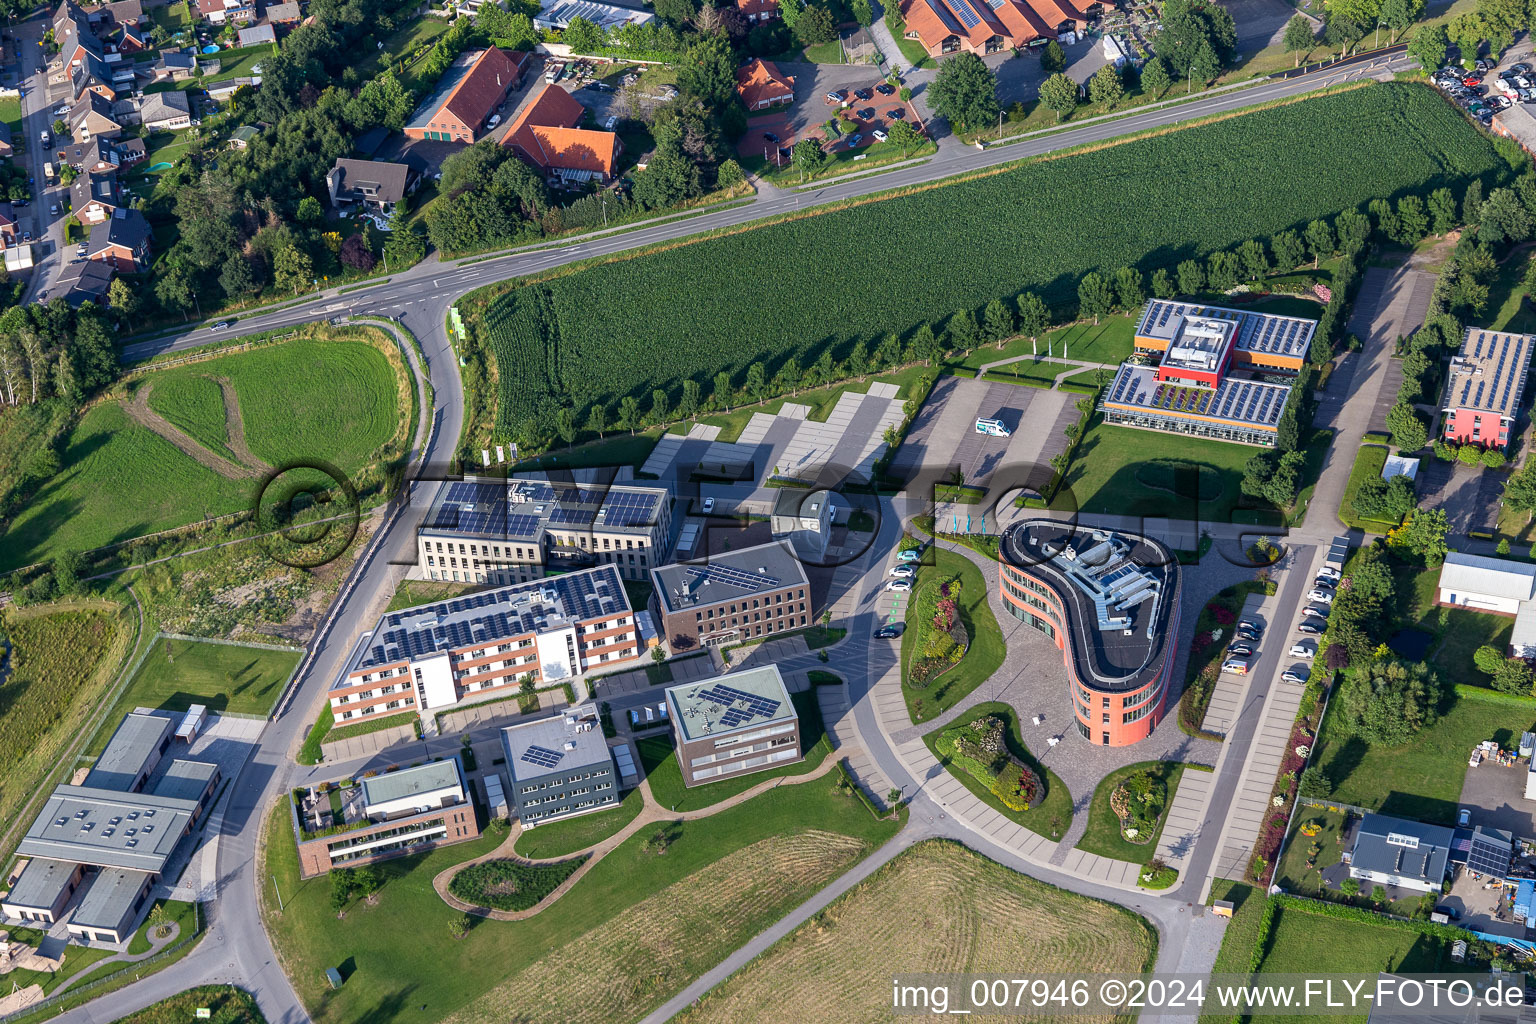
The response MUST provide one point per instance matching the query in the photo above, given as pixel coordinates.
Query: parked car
(1471, 80)
(903, 571)
(899, 586)
(885, 89)
(1329, 572)
(1296, 674)
(890, 631)
(1321, 611)
(896, 113)
(53, 209)
(1483, 64)
(1304, 649)
(836, 96)
(1312, 627)
(863, 94)
(1238, 666)
(1240, 651)
(1251, 625)
(879, 134)
(855, 139)
(770, 137)
(1464, 817)
(1521, 68)
(1325, 596)
(709, 505)
(1247, 634)
(909, 555)
(866, 114)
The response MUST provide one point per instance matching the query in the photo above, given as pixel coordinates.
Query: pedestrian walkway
(833, 703)
(1181, 829)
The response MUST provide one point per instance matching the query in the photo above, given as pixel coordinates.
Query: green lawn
(1109, 475)
(660, 763)
(1456, 633)
(300, 401)
(411, 593)
(371, 724)
(1032, 370)
(912, 53)
(1422, 779)
(1051, 817)
(825, 53)
(1369, 462)
(559, 838)
(76, 961)
(1103, 836)
(310, 752)
(660, 921)
(10, 113)
(183, 914)
(821, 401)
(226, 677)
(982, 658)
(1110, 341)
(1243, 930)
(614, 450)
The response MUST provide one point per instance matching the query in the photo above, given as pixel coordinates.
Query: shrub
(511, 884)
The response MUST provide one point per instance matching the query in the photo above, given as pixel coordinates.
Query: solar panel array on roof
(1250, 403)
(741, 707)
(542, 756)
(732, 576)
(516, 510)
(1489, 855)
(965, 12)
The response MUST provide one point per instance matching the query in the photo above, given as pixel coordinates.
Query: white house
(1495, 585)
(410, 790)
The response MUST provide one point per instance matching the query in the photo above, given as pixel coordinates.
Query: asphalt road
(237, 948)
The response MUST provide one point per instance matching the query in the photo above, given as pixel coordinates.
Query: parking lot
(807, 116)
(1496, 797)
(944, 436)
(1489, 89)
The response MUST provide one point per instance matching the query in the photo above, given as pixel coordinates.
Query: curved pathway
(651, 814)
(138, 410)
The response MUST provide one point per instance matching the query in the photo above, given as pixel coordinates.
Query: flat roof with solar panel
(533, 607)
(567, 742)
(522, 508)
(730, 703)
(1488, 373)
(1283, 339)
(1246, 406)
(728, 576)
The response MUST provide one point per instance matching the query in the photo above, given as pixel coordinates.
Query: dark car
(885, 89)
(863, 94)
(1312, 626)
(855, 139)
(890, 631)
(867, 114)
(770, 137)
(896, 113)
(1484, 64)
(1521, 69)
(1252, 636)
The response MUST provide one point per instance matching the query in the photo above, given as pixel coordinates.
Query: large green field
(634, 930)
(176, 674)
(789, 289)
(304, 400)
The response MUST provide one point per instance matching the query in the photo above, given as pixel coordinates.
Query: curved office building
(1111, 603)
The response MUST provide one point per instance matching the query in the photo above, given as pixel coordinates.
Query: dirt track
(250, 466)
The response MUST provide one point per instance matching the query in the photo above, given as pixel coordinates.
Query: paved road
(237, 948)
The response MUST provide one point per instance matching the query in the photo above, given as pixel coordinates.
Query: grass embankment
(225, 1005)
(657, 919)
(937, 903)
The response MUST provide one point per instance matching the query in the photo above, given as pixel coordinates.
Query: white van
(1239, 666)
(994, 428)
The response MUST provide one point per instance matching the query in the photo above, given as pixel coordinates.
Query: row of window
(495, 550)
(726, 755)
(724, 631)
(601, 773)
(756, 734)
(731, 767)
(572, 809)
(393, 705)
(583, 791)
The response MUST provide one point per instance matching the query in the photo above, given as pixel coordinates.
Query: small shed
(1338, 553)
(191, 722)
(1527, 744)
(495, 796)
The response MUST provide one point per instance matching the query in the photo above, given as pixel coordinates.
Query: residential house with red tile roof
(991, 26)
(756, 11)
(121, 241)
(469, 92)
(760, 84)
(546, 135)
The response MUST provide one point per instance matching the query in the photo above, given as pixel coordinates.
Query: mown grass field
(304, 400)
(1168, 196)
(936, 907)
(1125, 471)
(62, 658)
(633, 931)
(179, 673)
(560, 838)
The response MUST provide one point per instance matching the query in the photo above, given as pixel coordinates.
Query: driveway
(1260, 23)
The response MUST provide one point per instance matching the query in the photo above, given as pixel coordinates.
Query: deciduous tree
(965, 92)
(1059, 93)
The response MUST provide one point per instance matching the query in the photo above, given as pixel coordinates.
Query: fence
(226, 643)
(136, 968)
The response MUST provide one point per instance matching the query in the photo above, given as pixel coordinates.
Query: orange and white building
(466, 97)
(1110, 602)
(991, 26)
(760, 84)
(422, 660)
(546, 135)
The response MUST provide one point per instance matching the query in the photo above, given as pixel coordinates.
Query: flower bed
(979, 749)
(1139, 803)
(510, 884)
(944, 638)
